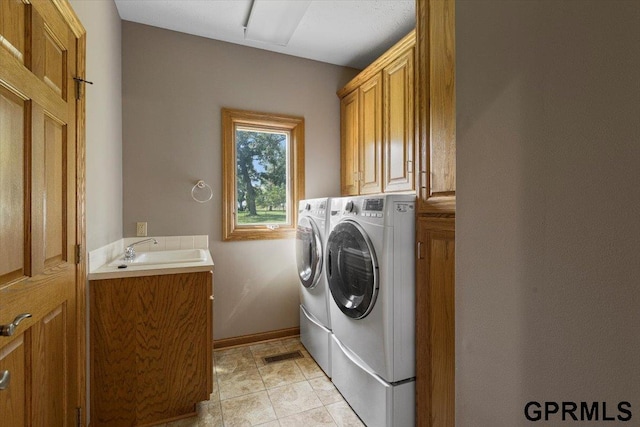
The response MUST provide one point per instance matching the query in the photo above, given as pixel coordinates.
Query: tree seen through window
(261, 176)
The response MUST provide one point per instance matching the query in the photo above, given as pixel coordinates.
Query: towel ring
(201, 185)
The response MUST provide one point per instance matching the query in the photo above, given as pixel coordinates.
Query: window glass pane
(262, 172)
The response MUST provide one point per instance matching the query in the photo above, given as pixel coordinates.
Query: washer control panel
(365, 207)
(314, 207)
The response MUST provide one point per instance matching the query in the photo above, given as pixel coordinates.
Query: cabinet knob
(5, 379)
(7, 330)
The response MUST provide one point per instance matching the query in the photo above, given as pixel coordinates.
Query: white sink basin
(163, 257)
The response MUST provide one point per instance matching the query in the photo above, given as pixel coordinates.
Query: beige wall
(548, 220)
(104, 121)
(174, 86)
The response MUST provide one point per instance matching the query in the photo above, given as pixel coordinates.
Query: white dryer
(369, 262)
(315, 323)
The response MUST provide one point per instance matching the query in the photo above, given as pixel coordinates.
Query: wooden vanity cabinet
(150, 348)
(377, 124)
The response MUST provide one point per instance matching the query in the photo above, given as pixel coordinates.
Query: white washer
(315, 323)
(369, 263)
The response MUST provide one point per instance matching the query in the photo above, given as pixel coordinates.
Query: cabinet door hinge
(78, 253)
(78, 417)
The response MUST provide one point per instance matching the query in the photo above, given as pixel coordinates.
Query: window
(263, 174)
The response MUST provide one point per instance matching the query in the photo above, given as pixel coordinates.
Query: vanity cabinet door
(151, 348)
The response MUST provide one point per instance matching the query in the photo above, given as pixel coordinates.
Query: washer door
(308, 252)
(352, 270)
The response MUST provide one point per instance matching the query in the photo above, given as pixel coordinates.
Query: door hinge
(78, 253)
(79, 81)
(78, 417)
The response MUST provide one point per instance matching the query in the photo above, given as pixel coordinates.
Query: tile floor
(248, 392)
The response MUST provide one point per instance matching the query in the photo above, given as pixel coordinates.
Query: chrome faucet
(130, 253)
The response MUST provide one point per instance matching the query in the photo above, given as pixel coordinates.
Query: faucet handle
(130, 253)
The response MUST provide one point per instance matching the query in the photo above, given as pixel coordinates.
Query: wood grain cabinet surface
(435, 322)
(350, 138)
(436, 105)
(377, 124)
(151, 348)
(436, 209)
(398, 123)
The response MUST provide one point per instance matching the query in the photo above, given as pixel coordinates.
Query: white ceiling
(343, 32)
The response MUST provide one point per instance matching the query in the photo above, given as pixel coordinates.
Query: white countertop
(113, 272)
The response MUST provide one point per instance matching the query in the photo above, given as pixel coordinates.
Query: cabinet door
(398, 124)
(349, 141)
(371, 135)
(436, 102)
(435, 322)
(151, 348)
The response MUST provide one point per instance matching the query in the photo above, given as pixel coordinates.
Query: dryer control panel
(373, 208)
(374, 204)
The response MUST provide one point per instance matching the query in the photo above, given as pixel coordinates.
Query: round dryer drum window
(351, 270)
(308, 252)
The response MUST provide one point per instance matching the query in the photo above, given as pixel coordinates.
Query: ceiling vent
(274, 21)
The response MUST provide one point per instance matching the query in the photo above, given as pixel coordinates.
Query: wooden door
(349, 141)
(399, 125)
(370, 150)
(38, 223)
(435, 322)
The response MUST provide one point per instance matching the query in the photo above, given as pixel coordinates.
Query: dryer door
(308, 252)
(352, 270)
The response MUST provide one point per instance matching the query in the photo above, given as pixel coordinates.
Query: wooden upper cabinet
(350, 137)
(377, 124)
(370, 95)
(436, 106)
(398, 122)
